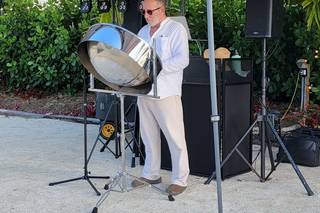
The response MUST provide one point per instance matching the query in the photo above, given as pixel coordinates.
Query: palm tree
(312, 8)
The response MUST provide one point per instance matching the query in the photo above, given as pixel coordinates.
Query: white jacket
(173, 49)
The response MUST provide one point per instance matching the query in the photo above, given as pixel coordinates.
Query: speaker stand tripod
(86, 173)
(121, 179)
(264, 120)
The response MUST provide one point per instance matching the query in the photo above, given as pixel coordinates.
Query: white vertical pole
(213, 92)
(122, 144)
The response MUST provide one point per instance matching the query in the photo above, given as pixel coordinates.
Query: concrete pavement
(36, 151)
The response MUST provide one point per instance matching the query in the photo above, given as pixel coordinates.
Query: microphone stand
(86, 173)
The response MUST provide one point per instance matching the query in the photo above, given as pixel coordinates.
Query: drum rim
(117, 26)
(140, 89)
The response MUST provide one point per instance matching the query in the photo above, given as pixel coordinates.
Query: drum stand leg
(86, 175)
(133, 144)
(121, 179)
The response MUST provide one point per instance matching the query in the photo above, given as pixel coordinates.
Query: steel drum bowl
(117, 57)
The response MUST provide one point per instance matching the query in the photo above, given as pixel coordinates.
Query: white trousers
(165, 114)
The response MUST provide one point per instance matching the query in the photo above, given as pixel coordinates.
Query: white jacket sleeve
(179, 51)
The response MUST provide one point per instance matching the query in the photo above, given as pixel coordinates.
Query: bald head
(162, 2)
(159, 2)
(154, 11)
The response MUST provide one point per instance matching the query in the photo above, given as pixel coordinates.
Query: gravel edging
(78, 119)
(48, 116)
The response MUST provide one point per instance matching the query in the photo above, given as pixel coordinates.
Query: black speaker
(264, 18)
(234, 104)
(133, 19)
(108, 107)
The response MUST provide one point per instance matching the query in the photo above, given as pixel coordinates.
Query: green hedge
(38, 45)
(229, 23)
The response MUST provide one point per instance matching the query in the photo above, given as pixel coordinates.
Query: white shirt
(173, 50)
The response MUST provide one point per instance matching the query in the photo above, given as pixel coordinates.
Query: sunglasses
(149, 12)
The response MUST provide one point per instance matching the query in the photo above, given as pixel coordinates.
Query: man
(165, 113)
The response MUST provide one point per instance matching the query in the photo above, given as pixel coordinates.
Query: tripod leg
(248, 163)
(129, 144)
(109, 187)
(116, 121)
(93, 148)
(117, 146)
(99, 135)
(137, 151)
(231, 152)
(93, 187)
(275, 166)
(295, 167)
(134, 153)
(142, 153)
(105, 145)
(270, 154)
(263, 150)
(65, 181)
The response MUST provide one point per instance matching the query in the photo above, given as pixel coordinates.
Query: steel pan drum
(117, 57)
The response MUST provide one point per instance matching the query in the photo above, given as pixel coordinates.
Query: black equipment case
(303, 145)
